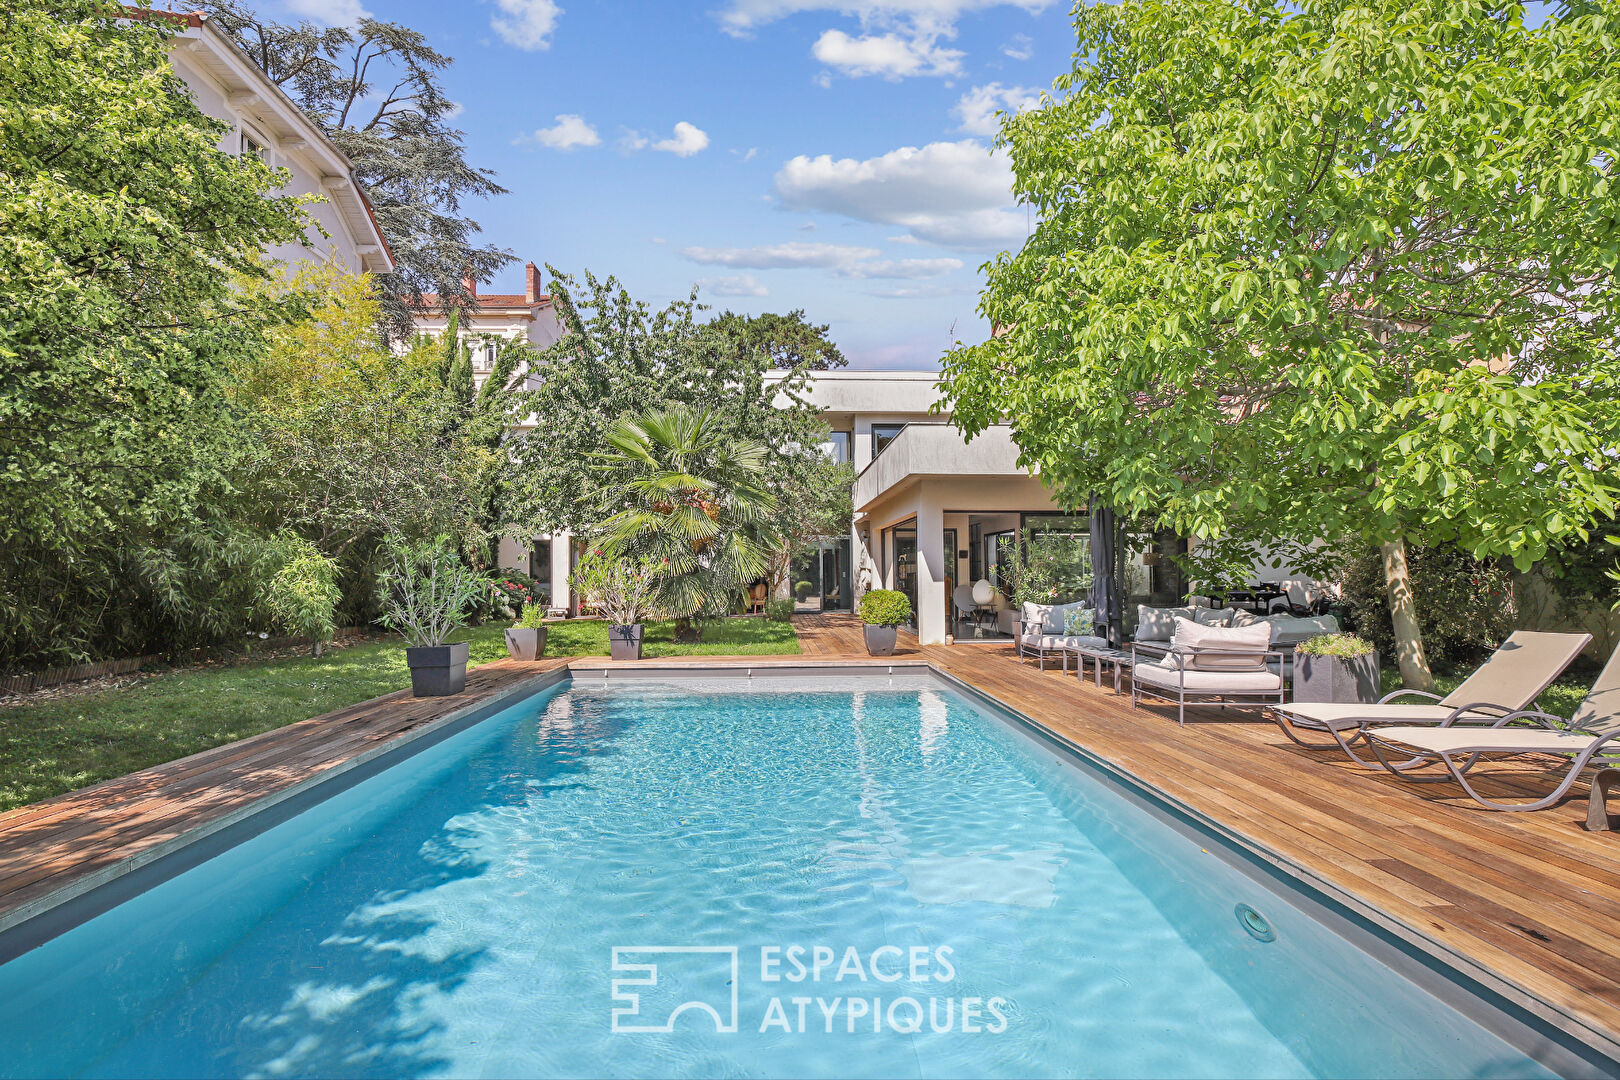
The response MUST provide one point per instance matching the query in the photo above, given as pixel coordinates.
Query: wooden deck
(1529, 902)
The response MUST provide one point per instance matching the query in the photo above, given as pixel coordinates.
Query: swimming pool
(853, 877)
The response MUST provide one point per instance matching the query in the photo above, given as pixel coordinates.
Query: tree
(376, 91)
(688, 495)
(124, 224)
(1320, 270)
(620, 357)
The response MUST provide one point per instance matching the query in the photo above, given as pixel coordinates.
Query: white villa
(227, 85)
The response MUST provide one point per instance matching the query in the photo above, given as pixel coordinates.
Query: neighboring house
(229, 86)
(494, 318)
(528, 316)
(934, 511)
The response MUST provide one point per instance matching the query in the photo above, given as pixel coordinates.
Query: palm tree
(682, 491)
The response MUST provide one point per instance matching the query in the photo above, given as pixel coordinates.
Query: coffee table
(1120, 661)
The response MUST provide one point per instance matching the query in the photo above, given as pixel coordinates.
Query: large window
(883, 435)
(837, 446)
(1058, 555)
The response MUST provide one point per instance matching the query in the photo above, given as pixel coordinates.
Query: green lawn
(1560, 699)
(49, 747)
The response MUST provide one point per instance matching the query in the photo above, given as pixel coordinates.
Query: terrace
(1523, 904)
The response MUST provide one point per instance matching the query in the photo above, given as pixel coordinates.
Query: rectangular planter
(1346, 680)
(527, 644)
(437, 670)
(624, 642)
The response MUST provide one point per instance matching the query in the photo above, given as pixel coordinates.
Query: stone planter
(880, 639)
(624, 642)
(526, 644)
(437, 670)
(1346, 680)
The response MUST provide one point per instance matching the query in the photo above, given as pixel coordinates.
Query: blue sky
(830, 155)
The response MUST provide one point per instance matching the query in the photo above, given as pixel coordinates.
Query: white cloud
(903, 238)
(1021, 47)
(569, 131)
(741, 285)
(782, 256)
(747, 155)
(977, 108)
(844, 260)
(687, 140)
(918, 292)
(741, 17)
(525, 24)
(331, 12)
(956, 194)
(889, 55)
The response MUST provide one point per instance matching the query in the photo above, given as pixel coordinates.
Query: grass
(51, 746)
(1561, 698)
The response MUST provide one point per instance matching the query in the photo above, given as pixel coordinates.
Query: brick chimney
(469, 283)
(531, 284)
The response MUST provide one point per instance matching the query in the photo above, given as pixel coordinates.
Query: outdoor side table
(1119, 661)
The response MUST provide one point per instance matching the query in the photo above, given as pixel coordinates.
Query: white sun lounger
(1589, 738)
(1508, 681)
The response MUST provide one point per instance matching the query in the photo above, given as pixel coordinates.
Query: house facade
(935, 512)
(227, 85)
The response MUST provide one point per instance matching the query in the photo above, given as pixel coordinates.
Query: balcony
(937, 450)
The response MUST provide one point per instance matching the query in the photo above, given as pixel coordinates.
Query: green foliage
(885, 607)
(532, 618)
(517, 589)
(1345, 645)
(376, 89)
(779, 610)
(427, 590)
(1319, 270)
(1467, 609)
(682, 492)
(303, 596)
(622, 358)
(124, 226)
(623, 588)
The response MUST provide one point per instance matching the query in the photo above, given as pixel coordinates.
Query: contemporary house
(264, 121)
(933, 512)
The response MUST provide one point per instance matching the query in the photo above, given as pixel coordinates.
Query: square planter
(880, 640)
(526, 644)
(1346, 680)
(624, 642)
(437, 670)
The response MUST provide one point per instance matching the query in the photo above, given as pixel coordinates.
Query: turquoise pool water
(993, 910)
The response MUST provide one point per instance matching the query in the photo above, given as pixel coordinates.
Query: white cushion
(1057, 616)
(1158, 624)
(1208, 682)
(1034, 615)
(1240, 617)
(1217, 648)
(1063, 641)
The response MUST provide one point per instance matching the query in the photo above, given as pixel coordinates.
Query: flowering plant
(620, 587)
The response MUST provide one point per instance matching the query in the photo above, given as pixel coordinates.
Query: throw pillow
(1035, 617)
(1241, 617)
(1158, 624)
(1078, 622)
(1213, 616)
(1219, 648)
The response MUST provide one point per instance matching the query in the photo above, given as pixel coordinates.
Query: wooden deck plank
(1530, 899)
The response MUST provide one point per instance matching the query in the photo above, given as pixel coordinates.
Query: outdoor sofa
(1043, 630)
(1209, 665)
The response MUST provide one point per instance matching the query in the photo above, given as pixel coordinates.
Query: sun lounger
(1589, 738)
(1508, 681)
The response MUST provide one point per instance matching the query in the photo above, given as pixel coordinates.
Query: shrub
(622, 588)
(779, 610)
(885, 607)
(532, 618)
(1465, 606)
(303, 596)
(427, 591)
(1345, 645)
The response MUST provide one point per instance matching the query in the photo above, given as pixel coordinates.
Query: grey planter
(624, 642)
(437, 670)
(526, 644)
(880, 639)
(1347, 680)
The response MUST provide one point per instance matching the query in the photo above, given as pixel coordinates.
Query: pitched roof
(431, 300)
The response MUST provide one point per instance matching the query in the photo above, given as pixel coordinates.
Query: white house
(228, 85)
(528, 316)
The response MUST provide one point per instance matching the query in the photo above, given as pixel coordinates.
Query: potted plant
(526, 638)
(622, 589)
(884, 611)
(1336, 667)
(426, 593)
